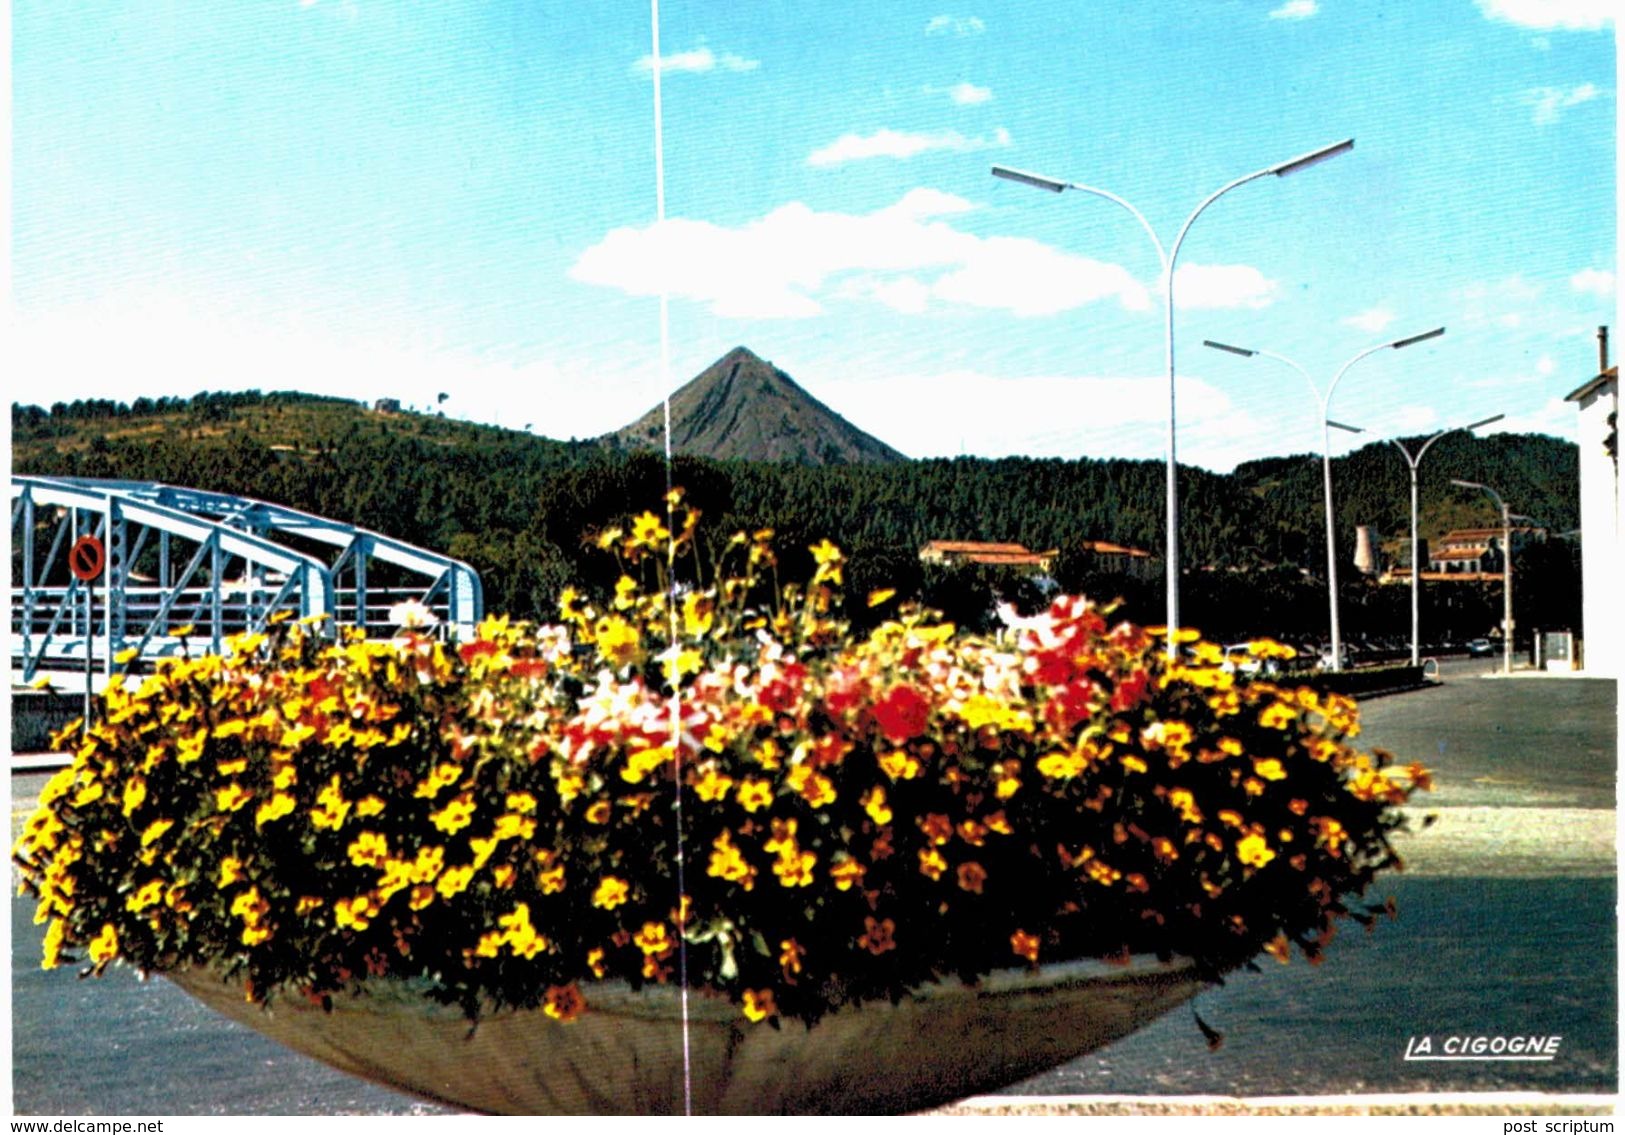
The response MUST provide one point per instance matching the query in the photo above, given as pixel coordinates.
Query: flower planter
(625, 1054)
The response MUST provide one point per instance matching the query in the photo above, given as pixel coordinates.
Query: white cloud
(1501, 303)
(1295, 10)
(1593, 281)
(156, 344)
(699, 61)
(1545, 366)
(1222, 286)
(1551, 102)
(1027, 278)
(1043, 415)
(1412, 419)
(1556, 417)
(886, 143)
(954, 25)
(963, 93)
(908, 256)
(1550, 15)
(1374, 320)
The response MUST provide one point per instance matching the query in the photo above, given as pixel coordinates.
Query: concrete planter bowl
(625, 1054)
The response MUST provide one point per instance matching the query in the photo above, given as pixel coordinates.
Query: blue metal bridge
(212, 564)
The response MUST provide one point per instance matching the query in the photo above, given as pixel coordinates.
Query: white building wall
(1602, 570)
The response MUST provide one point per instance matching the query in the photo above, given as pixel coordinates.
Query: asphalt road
(1507, 923)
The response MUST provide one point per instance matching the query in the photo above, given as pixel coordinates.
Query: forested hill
(517, 507)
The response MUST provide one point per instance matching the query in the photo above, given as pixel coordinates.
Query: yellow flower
(1025, 945)
(1269, 768)
(454, 880)
(713, 786)
(455, 816)
(564, 1003)
(932, 864)
(610, 894)
(1185, 800)
(354, 913)
(648, 532)
(874, 803)
(104, 947)
(231, 870)
(135, 793)
(275, 808)
(428, 864)
(149, 895)
(795, 868)
(728, 863)
(698, 614)
(522, 802)
(54, 934)
(754, 794)
(759, 1004)
(369, 849)
(816, 788)
(1254, 851)
(653, 939)
(617, 640)
(971, 877)
(626, 593)
(1061, 766)
(155, 831)
(442, 776)
(1277, 715)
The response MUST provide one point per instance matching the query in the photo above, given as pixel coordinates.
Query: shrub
(500, 820)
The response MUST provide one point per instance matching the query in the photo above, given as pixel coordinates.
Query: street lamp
(1326, 452)
(1167, 258)
(1414, 461)
(1506, 570)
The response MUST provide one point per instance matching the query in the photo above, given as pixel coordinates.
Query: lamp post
(1167, 258)
(1326, 426)
(1415, 461)
(1506, 570)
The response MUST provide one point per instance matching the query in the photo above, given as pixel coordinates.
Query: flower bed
(500, 820)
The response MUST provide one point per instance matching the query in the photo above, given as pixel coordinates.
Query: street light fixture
(1506, 570)
(1327, 424)
(1167, 258)
(1414, 460)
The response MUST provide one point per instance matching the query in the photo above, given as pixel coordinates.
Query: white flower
(413, 615)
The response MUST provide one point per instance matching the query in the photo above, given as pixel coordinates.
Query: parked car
(1480, 648)
(1238, 657)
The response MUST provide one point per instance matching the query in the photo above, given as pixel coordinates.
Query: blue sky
(392, 199)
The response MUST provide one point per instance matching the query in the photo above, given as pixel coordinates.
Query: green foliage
(522, 509)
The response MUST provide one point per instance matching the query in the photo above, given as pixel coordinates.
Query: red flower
(1130, 691)
(902, 713)
(472, 650)
(1072, 704)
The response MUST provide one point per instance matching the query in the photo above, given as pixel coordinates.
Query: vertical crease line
(673, 678)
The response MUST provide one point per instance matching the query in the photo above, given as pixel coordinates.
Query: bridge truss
(213, 564)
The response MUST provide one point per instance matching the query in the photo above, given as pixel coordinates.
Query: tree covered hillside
(522, 509)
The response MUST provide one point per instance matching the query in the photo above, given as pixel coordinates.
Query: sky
(391, 199)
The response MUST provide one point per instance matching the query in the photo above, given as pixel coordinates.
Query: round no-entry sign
(85, 558)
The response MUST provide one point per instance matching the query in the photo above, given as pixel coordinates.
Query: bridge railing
(208, 563)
